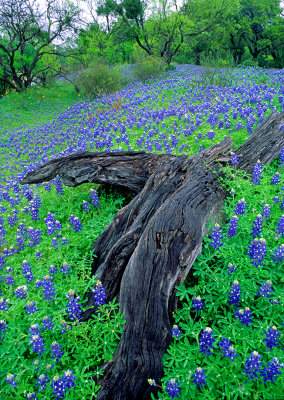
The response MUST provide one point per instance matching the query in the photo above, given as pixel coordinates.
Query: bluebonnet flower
(235, 293)
(199, 378)
(73, 308)
(49, 367)
(244, 316)
(29, 277)
(232, 192)
(197, 303)
(257, 251)
(281, 155)
(3, 305)
(231, 268)
(10, 281)
(227, 349)
(275, 179)
(278, 255)
(26, 267)
(216, 237)
(266, 211)
(256, 173)
(52, 269)
(152, 382)
(265, 289)
(270, 372)
(69, 379)
(54, 242)
(206, 341)
(34, 330)
(77, 225)
(172, 388)
(38, 344)
(64, 327)
(47, 323)
(271, 337)
(34, 214)
(280, 226)
(38, 255)
(38, 283)
(252, 366)
(257, 226)
(47, 187)
(3, 327)
(31, 307)
(48, 288)
(36, 364)
(35, 236)
(59, 388)
(276, 199)
(234, 159)
(176, 331)
(10, 379)
(85, 205)
(200, 148)
(64, 241)
(58, 185)
(240, 207)
(233, 226)
(31, 396)
(56, 351)
(99, 294)
(65, 268)
(94, 198)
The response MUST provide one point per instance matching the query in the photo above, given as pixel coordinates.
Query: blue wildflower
(172, 388)
(270, 372)
(271, 337)
(265, 289)
(197, 303)
(240, 207)
(252, 365)
(206, 341)
(176, 331)
(233, 226)
(244, 316)
(235, 293)
(199, 378)
(216, 237)
(256, 173)
(99, 294)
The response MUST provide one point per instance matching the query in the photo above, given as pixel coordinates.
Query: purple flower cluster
(257, 251)
(265, 289)
(235, 293)
(3, 327)
(231, 268)
(197, 303)
(52, 224)
(56, 351)
(31, 307)
(271, 339)
(240, 207)
(216, 237)
(252, 366)
(270, 372)
(266, 211)
(244, 316)
(77, 225)
(234, 159)
(99, 294)
(206, 341)
(227, 349)
(73, 308)
(278, 255)
(38, 344)
(256, 173)
(257, 226)
(280, 226)
(172, 388)
(233, 226)
(176, 331)
(42, 382)
(47, 323)
(62, 385)
(48, 289)
(10, 378)
(21, 292)
(94, 198)
(199, 378)
(275, 179)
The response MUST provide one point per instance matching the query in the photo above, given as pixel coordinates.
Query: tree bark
(152, 243)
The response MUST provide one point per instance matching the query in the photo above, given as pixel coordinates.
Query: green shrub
(147, 67)
(99, 80)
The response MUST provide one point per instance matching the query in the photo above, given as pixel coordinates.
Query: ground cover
(173, 114)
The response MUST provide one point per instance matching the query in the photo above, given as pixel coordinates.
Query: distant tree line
(40, 43)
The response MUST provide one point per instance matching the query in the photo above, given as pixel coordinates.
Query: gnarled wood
(152, 243)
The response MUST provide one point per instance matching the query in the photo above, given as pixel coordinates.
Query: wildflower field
(228, 337)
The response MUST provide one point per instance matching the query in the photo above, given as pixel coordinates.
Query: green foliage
(99, 80)
(148, 67)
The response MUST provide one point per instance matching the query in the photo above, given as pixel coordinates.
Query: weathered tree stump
(152, 243)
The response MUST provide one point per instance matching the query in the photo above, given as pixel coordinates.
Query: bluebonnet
(275, 179)
(200, 148)
(244, 315)
(58, 185)
(233, 226)
(42, 382)
(64, 326)
(197, 303)
(176, 331)
(77, 225)
(59, 388)
(65, 268)
(29, 277)
(278, 255)
(270, 372)
(235, 293)
(257, 251)
(227, 349)
(199, 378)
(231, 268)
(36, 364)
(252, 366)
(266, 211)
(47, 323)
(35, 236)
(10, 281)
(99, 294)
(56, 351)
(10, 378)
(281, 155)
(69, 379)
(276, 199)
(38, 344)
(64, 241)
(216, 237)
(3, 304)
(257, 226)
(206, 341)
(31, 307)
(26, 267)
(271, 339)
(38, 283)
(256, 173)
(34, 330)
(234, 159)
(31, 396)
(172, 388)
(54, 242)
(265, 289)
(3, 327)
(280, 226)
(73, 308)
(53, 269)
(240, 207)
(94, 198)
(85, 205)
(48, 289)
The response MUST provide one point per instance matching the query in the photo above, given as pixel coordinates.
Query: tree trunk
(152, 243)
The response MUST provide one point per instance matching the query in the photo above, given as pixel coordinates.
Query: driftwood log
(152, 243)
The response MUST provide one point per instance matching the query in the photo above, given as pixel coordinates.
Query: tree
(28, 34)
(152, 243)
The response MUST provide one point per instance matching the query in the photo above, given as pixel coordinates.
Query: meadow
(228, 340)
